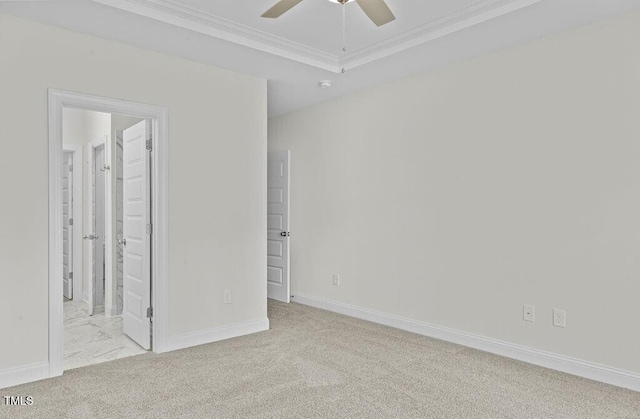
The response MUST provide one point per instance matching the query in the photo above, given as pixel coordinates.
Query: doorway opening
(103, 324)
(108, 229)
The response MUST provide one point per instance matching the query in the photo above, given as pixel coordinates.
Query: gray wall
(457, 196)
(217, 178)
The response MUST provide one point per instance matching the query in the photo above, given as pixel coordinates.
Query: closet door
(278, 226)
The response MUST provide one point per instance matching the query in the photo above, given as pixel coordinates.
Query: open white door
(136, 233)
(67, 225)
(278, 226)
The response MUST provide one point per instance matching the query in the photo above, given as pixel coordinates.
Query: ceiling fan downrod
(377, 10)
(344, 32)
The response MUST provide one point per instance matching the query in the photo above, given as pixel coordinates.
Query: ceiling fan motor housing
(377, 10)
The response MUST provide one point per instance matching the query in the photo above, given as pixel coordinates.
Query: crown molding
(175, 13)
(446, 25)
(171, 12)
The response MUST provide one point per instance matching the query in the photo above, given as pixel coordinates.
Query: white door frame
(77, 218)
(90, 152)
(159, 116)
(67, 223)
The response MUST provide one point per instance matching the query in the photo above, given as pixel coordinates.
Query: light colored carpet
(316, 364)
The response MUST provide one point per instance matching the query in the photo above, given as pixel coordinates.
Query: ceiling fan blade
(281, 8)
(377, 10)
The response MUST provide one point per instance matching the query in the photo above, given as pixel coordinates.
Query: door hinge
(149, 144)
(149, 312)
(149, 228)
(70, 221)
(70, 275)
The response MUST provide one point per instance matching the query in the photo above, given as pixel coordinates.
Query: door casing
(159, 117)
(67, 223)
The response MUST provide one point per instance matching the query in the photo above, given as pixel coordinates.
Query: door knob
(285, 234)
(122, 242)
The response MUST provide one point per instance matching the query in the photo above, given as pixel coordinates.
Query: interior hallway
(93, 339)
(317, 364)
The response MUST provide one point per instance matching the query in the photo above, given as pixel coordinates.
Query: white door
(136, 233)
(67, 225)
(278, 226)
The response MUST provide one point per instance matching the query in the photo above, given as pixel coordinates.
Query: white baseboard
(112, 311)
(586, 369)
(26, 374)
(188, 340)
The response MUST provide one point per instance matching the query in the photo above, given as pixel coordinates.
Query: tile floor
(93, 339)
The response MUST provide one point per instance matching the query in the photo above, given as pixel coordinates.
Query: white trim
(472, 15)
(78, 217)
(160, 240)
(112, 311)
(55, 243)
(200, 21)
(110, 239)
(197, 20)
(216, 334)
(108, 215)
(586, 369)
(25, 374)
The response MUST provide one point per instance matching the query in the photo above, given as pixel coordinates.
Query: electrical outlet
(528, 313)
(336, 280)
(559, 318)
(227, 296)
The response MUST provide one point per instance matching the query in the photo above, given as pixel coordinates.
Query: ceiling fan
(377, 10)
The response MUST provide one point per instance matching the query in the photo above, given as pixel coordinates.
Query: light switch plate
(528, 313)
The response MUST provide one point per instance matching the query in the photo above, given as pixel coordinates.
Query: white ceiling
(314, 29)
(304, 45)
